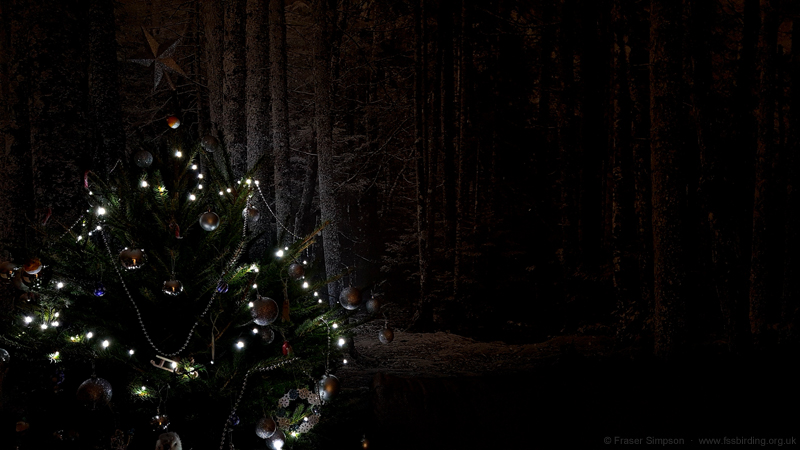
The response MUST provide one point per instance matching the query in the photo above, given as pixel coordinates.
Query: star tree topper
(162, 58)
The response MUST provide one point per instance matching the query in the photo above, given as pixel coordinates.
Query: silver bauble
(132, 258)
(4, 355)
(373, 305)
(7, 269)
(267, 334)
(169, 441)
(277, 440)
(296, 271)
(386, 335)
(94, 392)
(350, 298)
(264, 310)
(172, 287)
(251, 213)
(328, 387)
(265, 428)
(209, 221)
(210, 143)
(143, 158)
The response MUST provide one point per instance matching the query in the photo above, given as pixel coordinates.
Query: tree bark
(464, 139)
(233, 86)
(323, 122)
(280, 116)
(257, 106)
(765, 153)
(669, 191)
(212, 13)
(447, 124)
(790, 312)
(109, 135)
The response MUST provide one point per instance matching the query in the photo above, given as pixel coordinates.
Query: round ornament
(160, 422)
(32, 266)
(94, 392)
(169, 441)
(386, 335)
(350, 298)
(209, 221)
(277, 440)
(172, 287)
(267, 334)
(210, 143)
(4, 355)
(173, 122)
(251, 213)
(373, 305)
(265, 427)
(7, 269)
(99, 289)
(234, 419)
(328, 387)
(264, 311)
(286, 348)
(143, 158)
(222, 287)
(297, 271)
(131, 258)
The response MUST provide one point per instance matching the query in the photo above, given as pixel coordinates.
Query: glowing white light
(294, 433)
(91, 193)
(228, 190)
(55, 324)
(90, 233)
(344, 361)
(89, 335)
(194, 166)
(254, 268)
(250, 304)
(286, 248)
(220, 193)
(212, 361)
(255, 330)
(335, 326)
(240, 344)
(144, 183)
(305, 262)
(106, 344)
(239, 182)
(179, 154)
(57, 314)
(98, 228)
(144, 388)
(199, 186)
(174, 364)
(200, 175)
(59, 285)
(256, 182)
(341, 342)
(305, 419)
(305, 285)
(319, 301)
(255, 286)
(81, 237)
(130, 352)
(44, 326)
(248, 181)
(316, 295)
(192, 197)
(101, 211)
(277, 444)
(279, 253)
(28, 319)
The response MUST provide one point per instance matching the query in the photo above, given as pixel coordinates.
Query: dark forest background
(506, 169)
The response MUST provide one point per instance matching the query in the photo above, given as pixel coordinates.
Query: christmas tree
(146, 315)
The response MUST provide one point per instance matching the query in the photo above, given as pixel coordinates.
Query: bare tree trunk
(109, 136)
(765, 153)
(257, 106)
(464, 139)
(58, 118)
(714, 189)
(669, 191)
(309, 187)
(233, 86)
(424, 312)
(323, 122)
(447, 124)
(213, 21)
(280, 116)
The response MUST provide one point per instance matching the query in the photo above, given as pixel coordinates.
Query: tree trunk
(280, 116)
(713, 187)
(109, 135)
(623, 227)
(424, 311)
(323, 122)
(257, 98)
(765, 116)
(233, 86)
(464, 139)
(447, 124)
(669, 191)
(790, 312)
(212, 13)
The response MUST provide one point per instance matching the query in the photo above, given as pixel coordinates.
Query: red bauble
(173, 122)
(286, 348)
